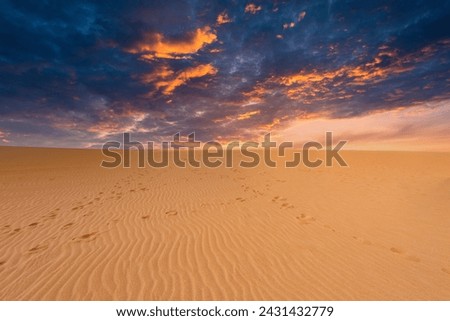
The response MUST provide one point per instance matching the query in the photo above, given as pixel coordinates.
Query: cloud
(3, 137)
(223, 18)
(378, 68)
(167, 80)
(112, 123)
(301, 16)
(346, 81)
(156, 45)
(82, 72)
(248, 114)
(288, 25)
(161, 72)
(252, 8)
(271, 125)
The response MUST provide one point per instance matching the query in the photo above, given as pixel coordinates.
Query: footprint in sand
(286, 206)
(278, 198)
(38, 248)
(329, 227)
(33, 224)
(86, 237)
(2, 263)
(68, 225)
(408, 257)
(50, 216)
(255, 191)
(89, 213)
(396, 250)
(145, 217)
(362, 240)
(171, 213)
(305, 219)
(240, 199)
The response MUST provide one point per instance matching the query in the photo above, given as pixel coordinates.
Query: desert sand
(71, 230)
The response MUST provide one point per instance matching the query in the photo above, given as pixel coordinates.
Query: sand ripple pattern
(71, 230)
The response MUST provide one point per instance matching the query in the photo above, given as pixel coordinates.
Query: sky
(80, 73)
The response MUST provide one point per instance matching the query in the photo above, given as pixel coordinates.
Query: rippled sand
(71, 230)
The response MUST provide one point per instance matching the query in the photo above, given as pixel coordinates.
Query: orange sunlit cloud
(361, 73)
(252, 8)
(274, 123)
(113, 123)
(256, 95)
(223, 18)
(162, 72)
(248, 114)
(315, 85)
(156, 45)
(165, 79)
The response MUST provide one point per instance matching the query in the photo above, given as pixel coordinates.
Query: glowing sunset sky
(79, 73)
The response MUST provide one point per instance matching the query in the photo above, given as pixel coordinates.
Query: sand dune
(71, 230)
